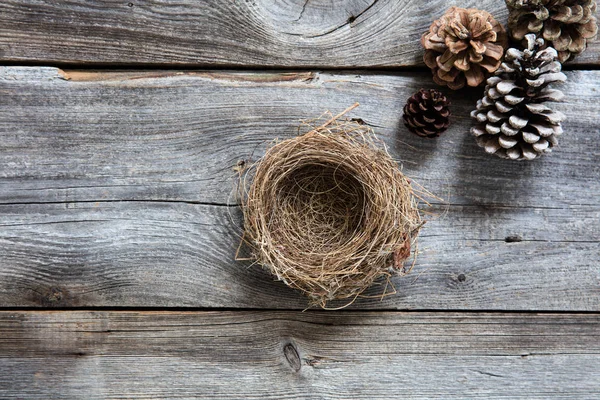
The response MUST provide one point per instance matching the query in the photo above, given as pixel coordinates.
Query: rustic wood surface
(171, 254)
(295, 355)
(118, 223)
(118, 184)
(255, 33)
(176, 136)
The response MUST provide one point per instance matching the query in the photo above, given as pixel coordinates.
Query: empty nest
(329, 212)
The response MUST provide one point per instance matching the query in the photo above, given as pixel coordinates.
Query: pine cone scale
(552, 31)
(577, 46)
(478, 47)
(494, 51)
(490, 65)
(474, 76)
(507, 142)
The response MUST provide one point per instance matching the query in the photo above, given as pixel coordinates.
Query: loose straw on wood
(329, 212)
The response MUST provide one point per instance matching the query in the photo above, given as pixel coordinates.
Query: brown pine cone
(427, 114)
(566, 25)
(464, 46)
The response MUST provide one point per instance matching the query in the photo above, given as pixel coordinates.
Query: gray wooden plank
(294, 355)
(171, 254)
(134, 159)
(176, 136)
(299, 33)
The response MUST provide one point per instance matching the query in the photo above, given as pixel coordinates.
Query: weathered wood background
(277, 355)
(245, 33)
(120, 125)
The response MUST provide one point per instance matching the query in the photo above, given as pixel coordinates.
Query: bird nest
(329, 212)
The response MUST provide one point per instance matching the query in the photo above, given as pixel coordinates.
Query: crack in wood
(489, 374)
(302, 11)
(350, 20)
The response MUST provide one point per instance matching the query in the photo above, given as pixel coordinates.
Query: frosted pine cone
(566, 25)
(463, 47)
(513, 120)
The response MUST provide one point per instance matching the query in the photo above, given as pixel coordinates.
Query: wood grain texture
(276, 355)
(259, 33)
(170, 254)
(176, 136)
(147, 254)
(114, 188)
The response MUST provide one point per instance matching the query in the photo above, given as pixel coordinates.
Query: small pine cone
(513, 120)
(566, 25)
(426, 113)
(464, 46)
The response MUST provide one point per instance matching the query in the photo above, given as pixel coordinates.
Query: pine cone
(465, 45)
(427, 114)
(566, 25)
(513, 119)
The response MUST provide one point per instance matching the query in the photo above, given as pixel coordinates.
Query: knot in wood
(292, 356)
(54, 295)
